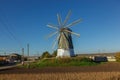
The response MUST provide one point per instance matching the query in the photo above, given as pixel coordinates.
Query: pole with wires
(28, 50)
(28, 55)
(7, 28)
(22, 56)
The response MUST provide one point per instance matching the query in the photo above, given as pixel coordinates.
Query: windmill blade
(52, 26)
(73, 23)
(55, 42)
(52, 34)
(67, 18)
(76, 34)
(59, 20)
(72, 33)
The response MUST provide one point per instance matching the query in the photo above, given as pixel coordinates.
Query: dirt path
(8, 67)
(108, 67)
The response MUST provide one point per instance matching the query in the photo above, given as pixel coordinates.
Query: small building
(3, 59)
(14, 57)
(100, 59)
(111, 58)
(100, 56)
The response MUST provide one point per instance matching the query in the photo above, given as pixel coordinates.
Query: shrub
(46, 55)
(54, 54)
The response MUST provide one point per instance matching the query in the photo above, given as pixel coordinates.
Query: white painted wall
(65, 53)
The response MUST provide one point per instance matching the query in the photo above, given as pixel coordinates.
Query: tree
(117, 56)
(54, 54)
(46, 54)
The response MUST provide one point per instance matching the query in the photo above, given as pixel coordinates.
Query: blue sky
(24, 21)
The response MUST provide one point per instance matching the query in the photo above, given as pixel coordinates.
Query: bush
(46, 55)
(83, 59)
(54, 54)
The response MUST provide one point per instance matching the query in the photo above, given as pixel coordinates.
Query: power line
(11, 34)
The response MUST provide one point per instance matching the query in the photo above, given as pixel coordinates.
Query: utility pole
(22, 56)
(28, 55)
(28, 50)
(23, 52)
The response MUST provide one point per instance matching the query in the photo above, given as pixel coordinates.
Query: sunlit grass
(61, 62)
(63, 76)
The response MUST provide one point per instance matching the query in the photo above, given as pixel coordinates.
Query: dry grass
(108, 71)
(63, 76)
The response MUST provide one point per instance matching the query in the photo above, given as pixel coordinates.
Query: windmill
(64, 38)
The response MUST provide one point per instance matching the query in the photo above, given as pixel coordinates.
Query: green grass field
(54, 62)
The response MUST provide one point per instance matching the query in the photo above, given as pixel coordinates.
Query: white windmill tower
(64, 38)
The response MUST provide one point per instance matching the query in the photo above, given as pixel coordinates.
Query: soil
(106, 67)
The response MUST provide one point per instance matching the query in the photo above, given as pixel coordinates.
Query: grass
(55, 62)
